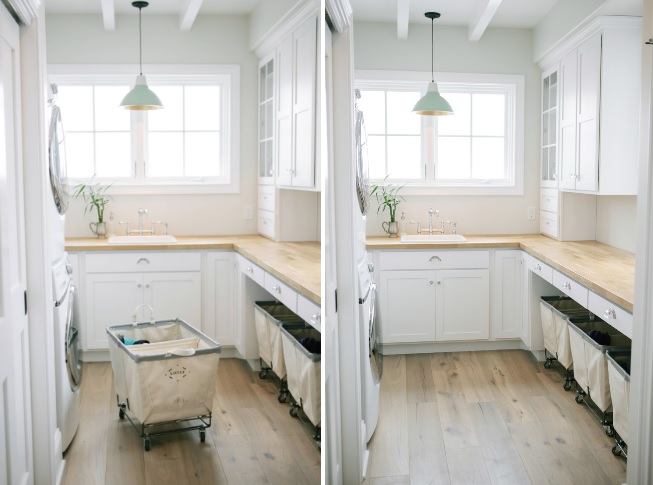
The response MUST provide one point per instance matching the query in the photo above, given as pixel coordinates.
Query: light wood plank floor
(488, 417)
(252, 440)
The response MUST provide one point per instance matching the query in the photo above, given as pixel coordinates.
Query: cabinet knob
(566, 285)
(315, 319)
(538, 267)
(431, 282)
(250, 270)
(610, 314)
(435, 258)
(147, 286)
(276, 288)
(439, 282)
(139, 285)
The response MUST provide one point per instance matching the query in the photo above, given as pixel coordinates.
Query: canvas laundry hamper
(590, 363)
(304, 381)
(269, 315)
(554, 311)
(619, 378)
(173, 377)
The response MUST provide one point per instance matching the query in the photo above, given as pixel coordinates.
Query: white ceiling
(156, 6)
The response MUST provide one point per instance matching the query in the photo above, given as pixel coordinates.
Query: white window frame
(227, 76)
(447, 82)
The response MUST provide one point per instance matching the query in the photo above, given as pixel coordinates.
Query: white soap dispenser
(402, 224)
(110, 226)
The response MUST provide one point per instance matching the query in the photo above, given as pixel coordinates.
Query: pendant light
(432, 103)
(141, 97)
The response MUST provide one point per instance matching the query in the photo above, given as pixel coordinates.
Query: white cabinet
(267, 111)
(296, 62)
(407, 306)
(462, 304)
(549, 128)
(219, 320)
(506, 301)
(115, 284)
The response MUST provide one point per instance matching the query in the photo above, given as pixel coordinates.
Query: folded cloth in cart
(601, 338)
(162, 348)
(130, 341)
(314, 346)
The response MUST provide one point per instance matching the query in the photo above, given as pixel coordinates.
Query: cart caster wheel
(547, 364)
(262, 374)
(202, 436)
(282, 396)
(121, 414)
(579, 398)
(616, 451)
(146, 444)
(567, 385)
(293, 412)
(609, 431)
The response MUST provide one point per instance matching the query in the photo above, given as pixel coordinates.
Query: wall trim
(297, 15)
(25, 10)
(340, 13)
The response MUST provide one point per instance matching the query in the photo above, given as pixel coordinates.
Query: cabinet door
(462, 302)
(506, 294)
(173, 295)
(589, 89)
(304, 47)
(567, 150)
(407, 301)
(267, 117)
(220, 297)
(284, 67)
(110, 299)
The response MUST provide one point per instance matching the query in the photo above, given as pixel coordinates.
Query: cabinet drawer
(136, 262)
(282, 292)
(549, 202)
(611, 313)
(549, 223)
(250, 269)
(442, 259)
(570, 287)
(541, 269)
(266, 223)
(266, 198)
(309, 311)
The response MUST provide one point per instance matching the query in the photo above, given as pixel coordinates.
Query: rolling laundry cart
(268, 317)
(619, 378)
(304, 380)
(554, 311)
(167, 385)
(591, 364)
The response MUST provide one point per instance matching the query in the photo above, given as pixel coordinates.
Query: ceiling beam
(109, 14)
(189, 13)
(403, 8)
(482, 20)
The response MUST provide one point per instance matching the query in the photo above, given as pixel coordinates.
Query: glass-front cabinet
(549, 175)
(266, 121)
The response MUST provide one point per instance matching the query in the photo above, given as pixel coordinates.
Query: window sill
(172, 188)
(416, 189)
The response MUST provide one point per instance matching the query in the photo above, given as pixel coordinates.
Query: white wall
(616, 221)
(266, 14)
(78, 39)
(500, 51)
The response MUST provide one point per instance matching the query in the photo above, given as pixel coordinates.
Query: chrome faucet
(141, 212)
(140, 231)
(437, 214)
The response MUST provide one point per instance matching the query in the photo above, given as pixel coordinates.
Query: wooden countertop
(608, 271)
(295, 263)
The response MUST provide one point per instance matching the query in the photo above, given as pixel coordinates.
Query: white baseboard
(434, 347)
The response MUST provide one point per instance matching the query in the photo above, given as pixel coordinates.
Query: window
(191, 145)
(478, 150)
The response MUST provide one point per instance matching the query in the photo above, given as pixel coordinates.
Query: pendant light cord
(140, 43)
(432, 54)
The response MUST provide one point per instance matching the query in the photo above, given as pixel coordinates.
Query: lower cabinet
(506, 294)
(220, 296)
(462, 304)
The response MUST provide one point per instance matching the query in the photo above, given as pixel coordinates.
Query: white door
(173, 295)
(567, 150)
(462, 301)
(506, 294)
(407, 301)
(219, 304)
(15, 423)
(284, 91)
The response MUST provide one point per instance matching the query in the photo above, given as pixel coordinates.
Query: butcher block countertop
(295, 263)
(608, 271)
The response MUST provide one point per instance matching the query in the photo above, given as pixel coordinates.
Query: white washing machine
(371, 358)
(68, 367)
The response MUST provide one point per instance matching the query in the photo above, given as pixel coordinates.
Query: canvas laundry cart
(554, 311)
(303, 367)
(591, 364)
(268, 317)
(167, 385)
(619, 378)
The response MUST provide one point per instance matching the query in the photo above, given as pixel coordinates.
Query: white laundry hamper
(304, 367)
(619, 378)
(590, 362)
(169, 381)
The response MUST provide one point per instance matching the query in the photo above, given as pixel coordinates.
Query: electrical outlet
(249, 212)
(531, 213)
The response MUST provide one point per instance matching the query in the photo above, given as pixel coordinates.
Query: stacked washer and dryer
(371, 358)
(68, 367)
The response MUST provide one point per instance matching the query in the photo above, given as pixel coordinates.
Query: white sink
(432, 238)
(156, 239)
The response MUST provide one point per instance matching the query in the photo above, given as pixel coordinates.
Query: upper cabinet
(296, 59)
(598, 79)
(266, 121)
(549, 126)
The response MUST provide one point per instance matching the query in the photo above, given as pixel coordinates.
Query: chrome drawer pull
(538, 267)
(435, 258)
(610, 314)
(143, 260)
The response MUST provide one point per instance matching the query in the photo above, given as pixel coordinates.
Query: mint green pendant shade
(141, 97)
(432, 103)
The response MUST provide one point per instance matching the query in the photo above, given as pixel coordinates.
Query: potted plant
(387, 197)
(96, 198)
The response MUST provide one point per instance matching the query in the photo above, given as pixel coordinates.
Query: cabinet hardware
(430, 282)
(439, 282)
(649, 42)
(147, 286)
(143, 260)
(250, 270)
(276, 288)
(538, 267)
(610, 314)
(435, 258)
(315, 319)
(567, 285)
(139, 286)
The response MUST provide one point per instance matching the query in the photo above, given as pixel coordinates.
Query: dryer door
(73, 363)
(57, 160)
(376, 357)
(362, 163)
